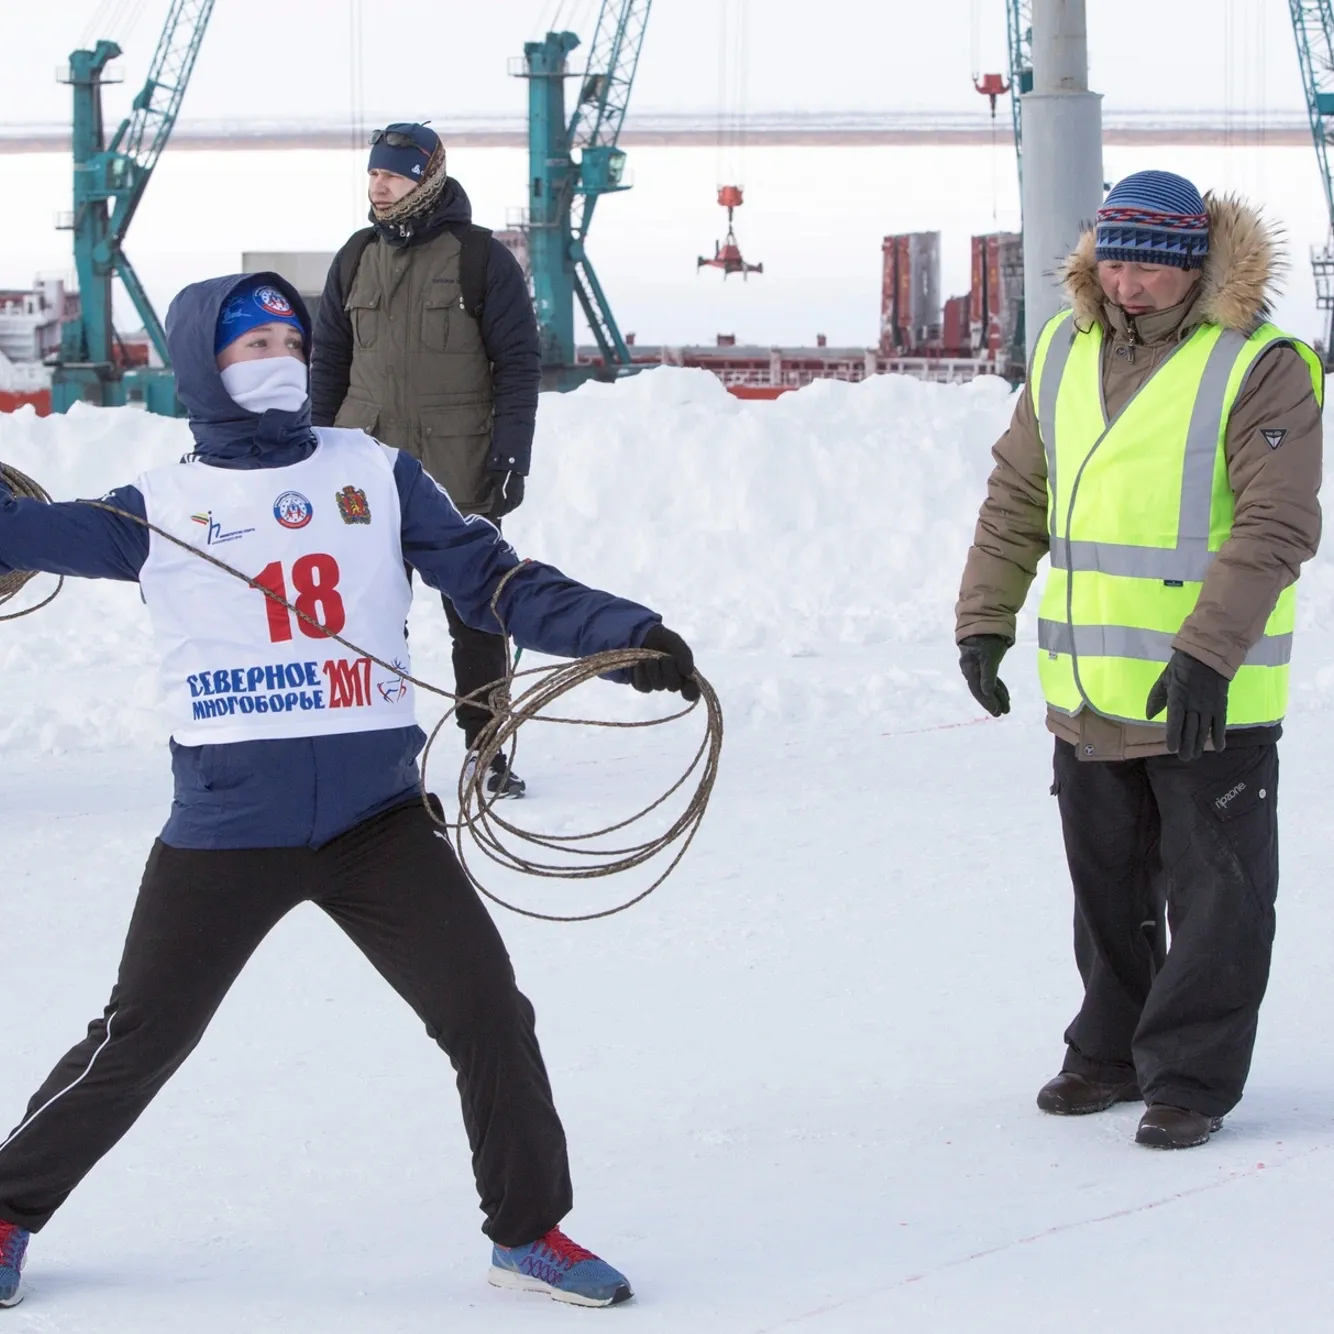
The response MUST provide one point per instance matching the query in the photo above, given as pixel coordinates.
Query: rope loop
(502, 841)
(13, 583)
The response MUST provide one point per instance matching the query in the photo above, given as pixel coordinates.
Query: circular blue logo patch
(293, 510)
(273, 301)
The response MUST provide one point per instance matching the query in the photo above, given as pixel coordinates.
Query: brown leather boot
(1165, 1127)
(1070, 1094)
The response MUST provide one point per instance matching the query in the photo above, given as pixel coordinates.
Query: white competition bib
(323, 534)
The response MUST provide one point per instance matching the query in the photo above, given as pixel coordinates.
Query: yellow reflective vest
(1137, 507)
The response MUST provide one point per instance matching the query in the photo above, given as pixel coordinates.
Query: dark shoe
(1164, 1127)
(502, 781)
(1070, 1094)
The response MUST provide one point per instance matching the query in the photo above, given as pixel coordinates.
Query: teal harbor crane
(1313, 27)
(109, 183)
(1019, 39)
(571, 165)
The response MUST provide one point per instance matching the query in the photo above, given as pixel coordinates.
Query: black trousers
(479, 660)
(1201, 841)
(397, 890)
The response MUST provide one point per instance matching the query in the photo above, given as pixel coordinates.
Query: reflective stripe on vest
(1125, 641)
(1130, 551)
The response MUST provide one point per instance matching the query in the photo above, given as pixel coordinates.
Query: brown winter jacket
(1277, 524)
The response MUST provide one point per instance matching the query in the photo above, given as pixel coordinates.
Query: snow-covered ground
(798, 1081)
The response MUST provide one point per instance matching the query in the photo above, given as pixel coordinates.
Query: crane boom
(604, 96)
(613, 59)
(144, 133)
(1313, 29)
(109, 183)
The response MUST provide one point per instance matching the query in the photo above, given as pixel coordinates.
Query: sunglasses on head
(397, 139)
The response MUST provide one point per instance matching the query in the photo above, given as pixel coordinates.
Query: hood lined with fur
(1236, 288)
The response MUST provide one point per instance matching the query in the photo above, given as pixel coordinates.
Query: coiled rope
(477, 817)
(10, 584)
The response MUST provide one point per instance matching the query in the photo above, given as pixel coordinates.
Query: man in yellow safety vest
(1165, 453)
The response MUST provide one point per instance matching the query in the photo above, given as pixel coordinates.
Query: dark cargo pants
(397, 890)
(479, 660)
(1203, 839)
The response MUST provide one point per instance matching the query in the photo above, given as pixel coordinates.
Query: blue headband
(248, 307)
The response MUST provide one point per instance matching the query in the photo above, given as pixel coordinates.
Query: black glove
(979, 659)
(506, 493)
(1195, 697)
(675, 671)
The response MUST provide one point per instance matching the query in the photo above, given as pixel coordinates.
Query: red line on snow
(1036, 1236)
(942, 727)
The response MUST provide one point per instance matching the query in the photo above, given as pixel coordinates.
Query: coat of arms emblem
(352, 505)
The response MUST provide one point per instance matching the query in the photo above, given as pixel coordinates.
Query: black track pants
(1203, 838)
(479, 660)
(397, 890)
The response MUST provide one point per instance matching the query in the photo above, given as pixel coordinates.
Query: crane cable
(975, 59)
(477, 817)
(113, 20)
(732, 92)
(357, 98)
(1229, 91)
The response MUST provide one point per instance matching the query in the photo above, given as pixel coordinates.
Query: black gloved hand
(1195, 697)
(979, 659)
(675, 671)
(506, 493)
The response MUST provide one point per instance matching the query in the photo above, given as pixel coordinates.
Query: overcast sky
(267, 59)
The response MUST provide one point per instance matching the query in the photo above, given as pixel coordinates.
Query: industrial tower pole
(88, 367)
(550, 191)
(1062, 132)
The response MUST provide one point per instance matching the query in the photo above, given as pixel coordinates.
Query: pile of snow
(837, 515)
(834, 516)
(81, 673)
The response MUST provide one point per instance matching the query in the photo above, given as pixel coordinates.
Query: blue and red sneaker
(13, 1247)
(557, 1266)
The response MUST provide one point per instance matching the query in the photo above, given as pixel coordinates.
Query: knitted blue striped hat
(1154, 217)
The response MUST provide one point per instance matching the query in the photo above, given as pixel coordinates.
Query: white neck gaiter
(271, 382)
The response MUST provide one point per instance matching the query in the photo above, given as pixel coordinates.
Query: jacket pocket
(358, 416)
(364, 312)
(441, 299)
(455, 442)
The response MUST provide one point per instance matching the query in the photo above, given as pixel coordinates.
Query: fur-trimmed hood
(1236, 287)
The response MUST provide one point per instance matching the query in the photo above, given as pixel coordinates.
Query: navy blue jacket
(307, 791)
(508, 326)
